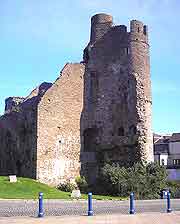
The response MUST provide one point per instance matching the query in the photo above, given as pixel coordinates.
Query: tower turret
(140, 69)
(100, 24)
(138, 31)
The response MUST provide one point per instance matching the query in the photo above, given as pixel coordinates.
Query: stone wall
(18, 134)
(58, 154)
(18, 143)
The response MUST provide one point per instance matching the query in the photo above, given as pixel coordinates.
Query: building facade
(167, 153)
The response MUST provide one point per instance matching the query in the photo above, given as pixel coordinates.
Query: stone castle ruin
(96, 111)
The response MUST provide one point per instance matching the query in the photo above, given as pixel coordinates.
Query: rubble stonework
(96, 111)
(58, 127)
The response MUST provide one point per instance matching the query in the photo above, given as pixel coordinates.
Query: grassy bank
(26, 188)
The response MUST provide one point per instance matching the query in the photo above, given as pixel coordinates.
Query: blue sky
(39, 37)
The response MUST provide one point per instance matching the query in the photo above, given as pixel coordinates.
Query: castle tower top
(136, 26)
(138, 31)
(101, 18)
(100, 24)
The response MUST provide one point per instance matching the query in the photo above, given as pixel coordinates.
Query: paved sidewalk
(150, 218)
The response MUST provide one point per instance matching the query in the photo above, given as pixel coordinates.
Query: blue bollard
(90, 211)
(131, 211)
(168, 203)
(41, 213)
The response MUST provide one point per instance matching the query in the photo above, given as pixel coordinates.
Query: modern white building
(167, 152)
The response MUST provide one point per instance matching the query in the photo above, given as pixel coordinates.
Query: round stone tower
(139, 68)
(100, 24)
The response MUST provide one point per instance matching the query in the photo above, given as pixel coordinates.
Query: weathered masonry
(40, 136)
(96, 111)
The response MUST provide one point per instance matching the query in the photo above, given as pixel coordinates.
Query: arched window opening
(127, 50)
(94, 86)
(90, 135)
(132, 130)
(9, 135)
(145, 29)
(121, 70)
(121, 131)
(18, 167)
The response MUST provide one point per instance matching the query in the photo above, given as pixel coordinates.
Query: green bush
(67, 187)
(145, 180)
(82, 184)
(174, 188)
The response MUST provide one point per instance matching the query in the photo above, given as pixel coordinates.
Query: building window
(127, 50)
(90, 141)
(162, 162)
(145, 30)
(176, 162)
(121, 71)
(121, 131)
(94, 86)
(18, 167)
(132, 130)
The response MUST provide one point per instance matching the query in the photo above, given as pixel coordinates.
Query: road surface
(62, 208)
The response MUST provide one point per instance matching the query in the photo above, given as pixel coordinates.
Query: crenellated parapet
(102, 23)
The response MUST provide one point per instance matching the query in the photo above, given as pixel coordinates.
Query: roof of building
(175, 137)
(161, 139)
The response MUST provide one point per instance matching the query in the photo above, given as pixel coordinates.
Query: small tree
(145, 180)
(137, 179)
(156, 176)
(82, 184)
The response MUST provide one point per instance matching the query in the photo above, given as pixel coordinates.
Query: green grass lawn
(26, 188)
